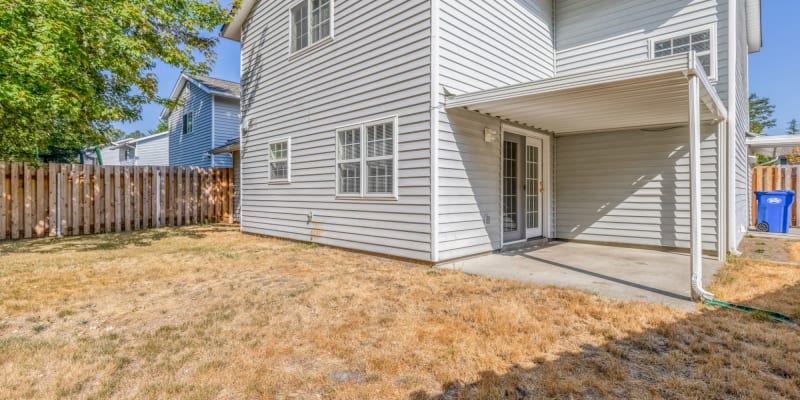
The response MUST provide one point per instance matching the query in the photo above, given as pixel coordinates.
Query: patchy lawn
(206, 312)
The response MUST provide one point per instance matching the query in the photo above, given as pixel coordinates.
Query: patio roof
(651, 93)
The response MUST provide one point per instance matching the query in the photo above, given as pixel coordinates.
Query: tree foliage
(162, 126)
(792, 128)
(761, 111)
(70, 68)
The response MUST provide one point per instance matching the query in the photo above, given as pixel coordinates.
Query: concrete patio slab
(616, 272)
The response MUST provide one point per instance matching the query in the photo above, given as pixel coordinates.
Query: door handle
(541, 186)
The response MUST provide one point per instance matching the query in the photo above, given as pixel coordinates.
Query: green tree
(162, 126)
(69, 69)
(792, 128)
(761, 111)
(137, 134)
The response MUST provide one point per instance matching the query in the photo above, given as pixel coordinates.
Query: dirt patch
(767, 249)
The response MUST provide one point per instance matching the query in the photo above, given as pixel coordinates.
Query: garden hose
(775, 316)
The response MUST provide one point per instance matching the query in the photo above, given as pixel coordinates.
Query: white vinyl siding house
(308, 95)
(464, 79)
(152, 150)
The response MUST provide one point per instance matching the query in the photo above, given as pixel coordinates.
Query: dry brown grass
(208, 313)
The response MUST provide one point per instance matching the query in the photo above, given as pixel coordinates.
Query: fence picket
(39, 228)
(97, 200)
(3, 201)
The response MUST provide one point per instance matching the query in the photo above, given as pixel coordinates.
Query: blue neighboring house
(207, 119)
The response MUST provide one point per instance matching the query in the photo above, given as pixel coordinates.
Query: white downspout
(696, 189)
(731, 225)
(435, 108)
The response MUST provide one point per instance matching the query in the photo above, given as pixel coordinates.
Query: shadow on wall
(640, 16)
(464, 155)
(250, 81)
(715, 353)
(630, 187)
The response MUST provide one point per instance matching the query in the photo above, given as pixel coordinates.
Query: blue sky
(773, 71)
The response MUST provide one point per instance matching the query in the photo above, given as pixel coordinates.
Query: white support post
(696, 191)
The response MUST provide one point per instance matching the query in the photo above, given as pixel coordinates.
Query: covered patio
(621, 273)
(653, 95)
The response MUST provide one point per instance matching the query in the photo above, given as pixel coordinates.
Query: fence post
(157, 189)
(58, 206)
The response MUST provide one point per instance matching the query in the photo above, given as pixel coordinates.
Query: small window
(279, 157)
(129, 154)
(366, 160)
(311, 22)
(187, 123)
(701, 42)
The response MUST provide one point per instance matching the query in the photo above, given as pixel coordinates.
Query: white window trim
(311, 45)
(288, 179)
(363, 195)
(714, 51)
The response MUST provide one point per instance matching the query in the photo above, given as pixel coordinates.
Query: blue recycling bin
(774, 211)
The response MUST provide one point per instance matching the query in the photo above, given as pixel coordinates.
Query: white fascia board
(753, 25)
(233, 29)
(765, 141)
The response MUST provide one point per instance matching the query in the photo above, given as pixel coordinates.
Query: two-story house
(439, 129)
(207, 118)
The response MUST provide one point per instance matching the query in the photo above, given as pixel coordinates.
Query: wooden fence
(71, 200)
(776, 178)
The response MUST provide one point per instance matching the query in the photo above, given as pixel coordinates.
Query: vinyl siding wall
(602, 33)
(378, 66)
(191, 149)
(111, 156)
(633, 187)
(153, 151)
(742, 201)
(482, 45)
(226, 127)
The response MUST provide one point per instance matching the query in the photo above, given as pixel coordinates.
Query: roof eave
(753, 25)
(233, 30)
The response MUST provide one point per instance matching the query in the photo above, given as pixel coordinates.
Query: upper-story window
(188, 121)
(311, 22)
(702, 42)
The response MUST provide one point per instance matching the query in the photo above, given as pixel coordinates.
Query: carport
(664, 92)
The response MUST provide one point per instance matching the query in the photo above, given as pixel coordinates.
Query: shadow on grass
(110, 241)
(713, 353)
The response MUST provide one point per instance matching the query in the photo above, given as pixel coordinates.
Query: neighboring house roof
(132, 142)
(229, 147)
(214, 86)
(772, 141)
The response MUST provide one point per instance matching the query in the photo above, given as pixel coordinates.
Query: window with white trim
(188, 121)
(702, 42)
(279, 157)
(311, 22)
(366, 160)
